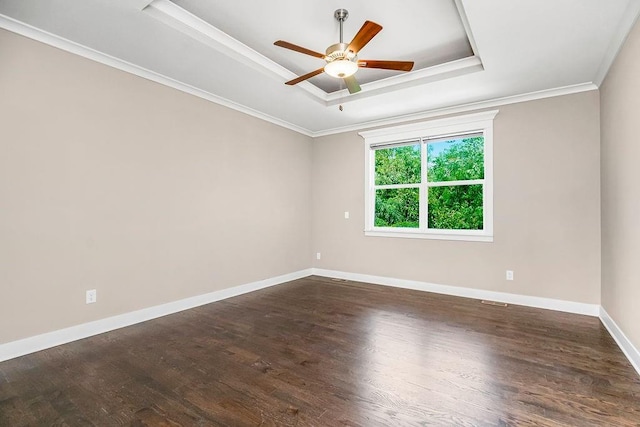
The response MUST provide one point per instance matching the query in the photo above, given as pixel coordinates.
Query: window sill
(432, 236)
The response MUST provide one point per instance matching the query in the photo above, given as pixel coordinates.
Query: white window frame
(440, 128)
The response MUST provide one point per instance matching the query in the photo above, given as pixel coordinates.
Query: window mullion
(396, 186)
(456, 183)
(424, 195)
(372, 189)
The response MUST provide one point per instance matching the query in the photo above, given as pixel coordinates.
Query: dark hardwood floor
(316, 352)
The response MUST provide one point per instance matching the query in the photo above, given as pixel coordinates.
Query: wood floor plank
(318, 352)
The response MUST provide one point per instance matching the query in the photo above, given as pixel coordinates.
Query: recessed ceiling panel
(524, 49)
(426, 32)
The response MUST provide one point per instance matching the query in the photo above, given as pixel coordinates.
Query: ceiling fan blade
(386, 65)
(305, 77)
(297, 48)
(352, 84)
(364, 36)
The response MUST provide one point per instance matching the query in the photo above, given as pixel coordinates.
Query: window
(431, 180)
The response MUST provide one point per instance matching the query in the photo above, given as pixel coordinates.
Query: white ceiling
(466, 52)
(432, 34)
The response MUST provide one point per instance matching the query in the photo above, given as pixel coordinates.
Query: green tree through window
(454, 196)
(398, 207)
(456, 207)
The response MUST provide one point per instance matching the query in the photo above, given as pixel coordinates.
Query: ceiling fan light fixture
(342, 58)
(341, 68)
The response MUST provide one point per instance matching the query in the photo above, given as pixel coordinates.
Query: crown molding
(184, 21)
(624, 28)
(467, 26)
(139, 4)
(61, 43)
(436, 73)
(491, 103)
(50, 39)
(415, 130)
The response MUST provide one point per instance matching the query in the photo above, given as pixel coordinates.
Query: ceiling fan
(342, 59)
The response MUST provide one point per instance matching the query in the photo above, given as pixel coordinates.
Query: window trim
(433, 129)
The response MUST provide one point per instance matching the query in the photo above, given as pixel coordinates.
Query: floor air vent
(497, 304)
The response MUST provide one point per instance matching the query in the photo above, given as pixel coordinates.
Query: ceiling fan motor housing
(339, 51)
(340, 62)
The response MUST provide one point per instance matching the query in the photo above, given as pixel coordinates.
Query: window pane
(398, 207)
(456, 160)
(398, 165)
(456, 207)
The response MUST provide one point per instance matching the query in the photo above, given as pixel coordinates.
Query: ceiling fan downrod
(341, 15)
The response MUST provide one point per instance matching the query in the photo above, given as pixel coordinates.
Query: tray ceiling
(467, 53)
(432, 34)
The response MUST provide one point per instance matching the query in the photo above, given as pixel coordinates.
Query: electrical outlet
(318, 255)
(92, 296)
(346, 215)
(509, 274)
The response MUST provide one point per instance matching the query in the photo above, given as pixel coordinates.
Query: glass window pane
(399, 207)
(456, 159)
(456, 207)
(398, 165)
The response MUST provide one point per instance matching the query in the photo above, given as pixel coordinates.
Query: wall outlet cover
(92, 296)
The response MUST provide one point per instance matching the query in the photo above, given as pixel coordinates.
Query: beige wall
(148, 195)
(620, 99)
(546, 202)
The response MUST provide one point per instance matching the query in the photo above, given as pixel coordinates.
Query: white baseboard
(529, 301)
(627, 347)
(621, 339)
(51, 339)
